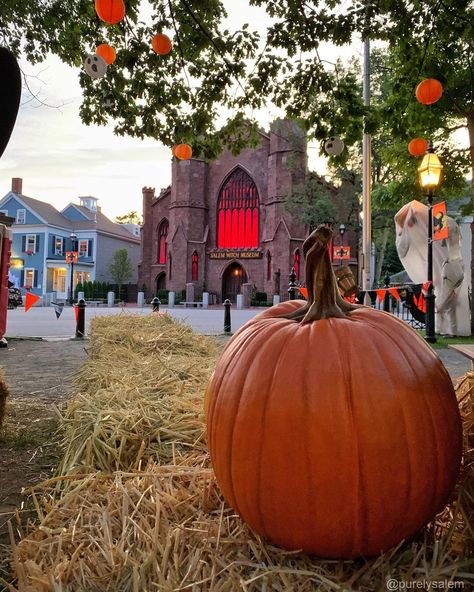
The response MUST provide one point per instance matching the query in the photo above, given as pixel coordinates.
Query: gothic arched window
(194, 267)
(296, 263)
(238, 212)
(162, 234)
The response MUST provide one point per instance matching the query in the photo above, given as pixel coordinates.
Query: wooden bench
(195, 304)
(465, 350)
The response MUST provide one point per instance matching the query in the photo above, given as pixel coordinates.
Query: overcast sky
(59, 158)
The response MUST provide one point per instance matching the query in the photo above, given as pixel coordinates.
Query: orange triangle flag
(395, 294)
(380, 294)
(304, 292)
(76, 312)
(30, 299)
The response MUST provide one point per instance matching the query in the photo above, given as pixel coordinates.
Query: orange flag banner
(420, 302)
(304, 292)
(426, 287)
(394, 293)
(341, 252)
(30, 299)
(76, 312)
(440, 221)
(380, 295)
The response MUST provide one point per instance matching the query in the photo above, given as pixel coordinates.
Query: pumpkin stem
(324, 300)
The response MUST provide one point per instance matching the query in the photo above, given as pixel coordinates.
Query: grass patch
(443, 342)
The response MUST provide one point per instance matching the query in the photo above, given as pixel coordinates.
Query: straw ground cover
(135, 506)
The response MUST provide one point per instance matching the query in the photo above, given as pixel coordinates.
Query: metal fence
(405, 309)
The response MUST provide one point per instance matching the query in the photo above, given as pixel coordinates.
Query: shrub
(260, 297)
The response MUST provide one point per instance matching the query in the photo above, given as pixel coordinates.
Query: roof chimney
(17, 185)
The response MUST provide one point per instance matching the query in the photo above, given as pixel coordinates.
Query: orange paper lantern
(429, 91)
(182, 151)
(106, 52)
(110, 11)
(161, 44)
(418, 146)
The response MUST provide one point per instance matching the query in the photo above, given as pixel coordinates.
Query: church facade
(222, 224)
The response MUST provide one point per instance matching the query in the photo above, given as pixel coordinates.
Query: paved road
(42, 322)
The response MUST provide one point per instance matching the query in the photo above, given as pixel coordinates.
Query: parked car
(14, 297)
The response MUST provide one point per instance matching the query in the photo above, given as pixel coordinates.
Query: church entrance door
(161, 282)
(232, 280)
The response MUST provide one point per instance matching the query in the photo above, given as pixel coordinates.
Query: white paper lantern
(334, 146)
(95, 66)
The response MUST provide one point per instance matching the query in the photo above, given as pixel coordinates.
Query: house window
(30, 244)
(30, 277)
(296, 263)
(20, 216)
(83, 248)
(238, 213)
(269, 266)
(162, 235)
(58, 245)
(194, 267)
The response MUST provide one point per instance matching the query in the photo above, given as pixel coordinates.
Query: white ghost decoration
(95, 66)
(334, 146)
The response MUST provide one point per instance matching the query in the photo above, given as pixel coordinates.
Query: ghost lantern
(95, 66)
(334, 146)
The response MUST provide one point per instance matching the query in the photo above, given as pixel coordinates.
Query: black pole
(71, 294)
(81, 318)
(156, 304)
(430, 334)
(386, 300)
(292, 284)
(227, 322)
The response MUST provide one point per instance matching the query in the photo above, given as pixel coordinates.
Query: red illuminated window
(162, 234)
(238, 213)
(296, 263)
(269, 266)
(194, 267)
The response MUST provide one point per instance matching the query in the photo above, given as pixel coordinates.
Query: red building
(222, 224)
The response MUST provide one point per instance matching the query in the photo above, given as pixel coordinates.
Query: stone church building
(222, 224)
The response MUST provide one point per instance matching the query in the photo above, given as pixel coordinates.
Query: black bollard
(292, 284)
(227, 323)
(156, 304)
(386, 300)
(81, 318)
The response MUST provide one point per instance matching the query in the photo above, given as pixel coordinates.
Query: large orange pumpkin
(429, 91)
(161, 43)
(107, 52)
(110, 11)
(417, 146)
(182, 151)
(332, 428)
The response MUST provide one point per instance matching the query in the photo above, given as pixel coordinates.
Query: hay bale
(4, 392)
(139, 396)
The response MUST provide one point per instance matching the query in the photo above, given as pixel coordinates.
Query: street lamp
(429, 173)
(73, 238)
(342, 230)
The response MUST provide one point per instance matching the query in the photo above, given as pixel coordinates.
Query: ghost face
(95, 66)
(334, 146)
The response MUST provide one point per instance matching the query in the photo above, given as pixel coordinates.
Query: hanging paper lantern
(182, 151)
(110, 11)
(95, 66)
(429, 91)
(418, 146)
(161, 44)
(107, 52)
(334, 146)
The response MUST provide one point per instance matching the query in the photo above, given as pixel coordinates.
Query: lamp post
(342, 230)
(73, 238)
(429, 173)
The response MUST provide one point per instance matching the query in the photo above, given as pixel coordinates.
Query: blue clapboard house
(42, 236)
